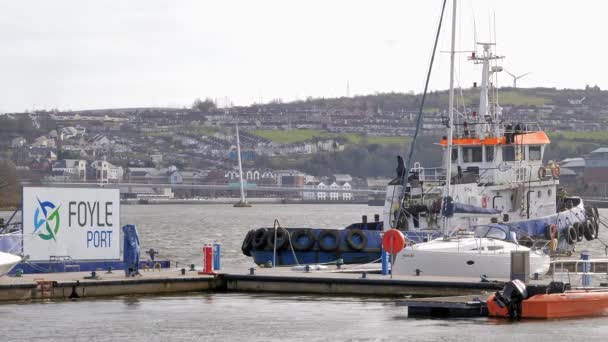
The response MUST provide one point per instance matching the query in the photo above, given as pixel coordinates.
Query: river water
(178, 232)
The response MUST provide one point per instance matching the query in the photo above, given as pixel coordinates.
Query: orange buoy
(393, 241)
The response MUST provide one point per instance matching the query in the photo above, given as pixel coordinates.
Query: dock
(453, 306)
(348, 282)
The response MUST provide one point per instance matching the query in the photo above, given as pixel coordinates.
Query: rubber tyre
(548, 232)
(580, 231)
(589, 230)
(323, 245)
(246, 246)
(259, 238)
(350, 239)
(282, 238)
(596, 227)
(571, 235)
(302, 247)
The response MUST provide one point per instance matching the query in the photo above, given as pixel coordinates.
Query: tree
(204, 106)
(9, 185)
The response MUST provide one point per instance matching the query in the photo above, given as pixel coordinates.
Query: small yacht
(484, 251)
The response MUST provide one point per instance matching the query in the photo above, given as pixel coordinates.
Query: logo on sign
(47, 218)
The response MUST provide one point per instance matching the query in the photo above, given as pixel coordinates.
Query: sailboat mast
(448, 152)
(238, 153)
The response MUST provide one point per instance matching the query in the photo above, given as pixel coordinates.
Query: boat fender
(246, 246)
(350, 239)
(259, 238)
(589, 230)
(542, 172)
(300, 244)
(282, 237)
(571, 235)
(580, 231)
(329, 245)
(551, 232)
(555, 171)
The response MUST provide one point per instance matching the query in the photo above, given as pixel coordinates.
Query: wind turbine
(515, 78)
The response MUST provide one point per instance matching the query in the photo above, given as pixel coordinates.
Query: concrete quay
(348, 282)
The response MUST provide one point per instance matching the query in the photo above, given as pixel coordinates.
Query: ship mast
(238, 153)
(448, 151)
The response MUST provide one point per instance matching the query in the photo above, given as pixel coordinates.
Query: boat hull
(8, 262)
(454, 264)
(578, 303)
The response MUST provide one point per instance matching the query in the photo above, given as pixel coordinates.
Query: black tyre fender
(299, 246)
(589, 230)
(282, 237)
(551, 232)
(246, 246)
(351, 242)
(259, 238)
(323, 244)
(580, 231)
(571, 235)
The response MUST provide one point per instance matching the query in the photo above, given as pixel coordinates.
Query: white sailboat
(472, 254)
(242, 203)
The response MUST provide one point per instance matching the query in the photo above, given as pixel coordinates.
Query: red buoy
(393, 241)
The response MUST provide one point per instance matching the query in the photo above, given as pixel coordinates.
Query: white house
(72, 168)
(104, 172)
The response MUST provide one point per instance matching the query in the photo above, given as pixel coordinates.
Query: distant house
(75, 169)
(104, 172)
(18, 142)
(99, 141)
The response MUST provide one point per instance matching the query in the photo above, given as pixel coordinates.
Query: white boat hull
(7, 262)
(439, 259)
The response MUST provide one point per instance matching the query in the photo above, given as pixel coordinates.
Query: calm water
(179, 231)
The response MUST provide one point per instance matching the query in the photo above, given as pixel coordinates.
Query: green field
(516, 98)
(600, 137)
(301, 135)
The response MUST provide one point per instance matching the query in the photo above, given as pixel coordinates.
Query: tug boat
(557, 300)
(358, 243)
(493, 174)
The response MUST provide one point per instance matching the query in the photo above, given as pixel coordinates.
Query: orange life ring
(542, 172)
(555, 171)
(484, 202)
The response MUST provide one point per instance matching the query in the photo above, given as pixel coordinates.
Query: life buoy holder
(551, 232)
(555, 171)
(542, 172)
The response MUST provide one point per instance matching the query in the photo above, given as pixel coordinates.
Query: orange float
(393, 241)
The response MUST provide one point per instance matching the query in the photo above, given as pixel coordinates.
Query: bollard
(216, 255)
(252, 271)
(384, 256)
(363, 275)
(307, 268)
(109, 270)
(183, 271)
(418, 271)
(207, 259)
(339, 263)
(585, 256)
(192, 267)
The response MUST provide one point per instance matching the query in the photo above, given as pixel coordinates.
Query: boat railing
(469, 130)
(428, 174)
(577, 269)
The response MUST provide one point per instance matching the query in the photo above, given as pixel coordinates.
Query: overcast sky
(107, 54)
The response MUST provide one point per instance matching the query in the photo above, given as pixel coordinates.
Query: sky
(74, 54)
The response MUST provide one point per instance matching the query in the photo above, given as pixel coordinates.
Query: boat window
(534, 153)
(455, 154)
(539, 194)
(490, 232)
(489, 153)
(471, 154)
(508, 153)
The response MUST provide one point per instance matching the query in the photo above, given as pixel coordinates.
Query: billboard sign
(83, 224)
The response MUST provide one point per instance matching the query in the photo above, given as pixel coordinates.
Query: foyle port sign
(71, 222)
